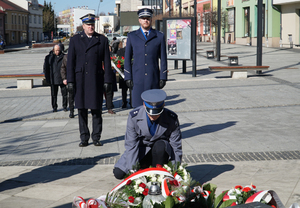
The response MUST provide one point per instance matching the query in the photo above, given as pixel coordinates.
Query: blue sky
(60, 5)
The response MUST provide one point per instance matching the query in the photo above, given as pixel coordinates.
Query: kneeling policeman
(152, 137)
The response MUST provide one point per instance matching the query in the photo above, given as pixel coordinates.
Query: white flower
(136, 187)
(180, 168)
(138, 181)
(167, 168)
(184, 172)
(153, 179)
(151, 175)
(139, 190)
(160, 178)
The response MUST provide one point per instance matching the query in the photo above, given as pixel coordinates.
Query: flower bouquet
(178, 190)
(117, 63)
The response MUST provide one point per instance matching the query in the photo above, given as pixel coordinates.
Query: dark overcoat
(85, 69)
(144, 70)
(138, 140)
(52, 66)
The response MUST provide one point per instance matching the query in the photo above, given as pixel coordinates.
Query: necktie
(146, 34)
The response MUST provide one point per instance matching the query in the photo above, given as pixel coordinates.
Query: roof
(7, 5)
(38, 4)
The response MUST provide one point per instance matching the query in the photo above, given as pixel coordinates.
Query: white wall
(278, 2)
(78, 13)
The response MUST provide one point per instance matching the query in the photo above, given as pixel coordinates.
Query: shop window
(247, 21)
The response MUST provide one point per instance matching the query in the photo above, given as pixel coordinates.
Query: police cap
(145, 13)
(154, 101)
(88, 19)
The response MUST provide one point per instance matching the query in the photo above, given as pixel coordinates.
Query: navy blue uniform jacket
(138, 140)
(84, 68)
(144, 70)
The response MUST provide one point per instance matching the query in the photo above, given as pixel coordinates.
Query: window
(19, 19)
(1, 22)
(22, 20)
(39, 19)
(16, 19)
(5, 18)
(29, 18)
(12, 18)
(246, 21)
(231, 20)
(34, 19)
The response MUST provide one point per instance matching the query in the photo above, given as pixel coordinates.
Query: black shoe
(65, 109)
(71, 115)
(54, 110)
(124, 105)
(97, 143)
(83, 144)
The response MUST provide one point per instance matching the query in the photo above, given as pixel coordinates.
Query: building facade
(35, 18)
(72, 17)
(2, 23)
(289, 20)
(16, 23)
(106, 24)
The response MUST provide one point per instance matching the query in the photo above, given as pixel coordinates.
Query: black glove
(129, 84)
(107, 87)
(70, 85)
(162, 83)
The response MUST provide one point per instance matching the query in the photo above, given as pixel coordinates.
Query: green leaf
(219, 199)
(169, 203)
(227, 203)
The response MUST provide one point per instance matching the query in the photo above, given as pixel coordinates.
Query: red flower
(114, 57)
(128, 182)
(142, 185)
(119, 61)
(119, 66)
(175, 182)
(123, 57)
(246, 189)
(253, 186)
(273, 206)
(111, 58)
(158, 165)
(145, 192)
(131, 199)
(238, 187)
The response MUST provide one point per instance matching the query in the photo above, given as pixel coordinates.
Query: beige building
(16, 23)
(35, 18)
(290, 21)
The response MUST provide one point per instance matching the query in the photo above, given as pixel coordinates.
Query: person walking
(87, 52)
(144, 48)
(70, 88)
(52, 65)
(152, 136)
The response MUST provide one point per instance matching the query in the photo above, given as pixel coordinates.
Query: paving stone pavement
(235, 131)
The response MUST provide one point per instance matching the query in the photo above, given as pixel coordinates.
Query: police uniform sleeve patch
(134, 112)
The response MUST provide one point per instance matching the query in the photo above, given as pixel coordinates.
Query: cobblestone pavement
(235, 131)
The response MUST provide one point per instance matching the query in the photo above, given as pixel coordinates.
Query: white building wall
(111, 20)
(78, 13)
(290, 22)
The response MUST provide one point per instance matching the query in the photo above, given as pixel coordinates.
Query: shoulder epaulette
(172, 114)
(134, 112)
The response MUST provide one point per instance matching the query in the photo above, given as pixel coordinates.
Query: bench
(24, 81)
(210, 54)
(233, 60)
(237, 72)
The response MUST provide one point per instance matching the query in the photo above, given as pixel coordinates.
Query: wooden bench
(24, 81)
(237, 72)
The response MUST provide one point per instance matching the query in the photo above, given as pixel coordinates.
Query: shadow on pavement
(206, 129)
(49, 173)
(205, 173)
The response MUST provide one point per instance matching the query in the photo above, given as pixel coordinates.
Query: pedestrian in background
(63, 72)
(87, 52)
(152, 136)
(144, 48)
(52, 66)
(122, 83)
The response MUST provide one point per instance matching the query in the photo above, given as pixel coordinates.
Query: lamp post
(219, 32)
(259, 35)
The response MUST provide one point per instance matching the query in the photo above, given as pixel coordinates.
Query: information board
(178, 34)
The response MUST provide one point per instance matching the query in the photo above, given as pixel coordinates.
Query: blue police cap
(88, 19)
(154, 101)
(145, 13)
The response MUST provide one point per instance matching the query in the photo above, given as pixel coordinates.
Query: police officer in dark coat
(145, 46)
(152, 137)
(52, 65)
(87, 52)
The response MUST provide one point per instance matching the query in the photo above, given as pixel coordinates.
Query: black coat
(85, 69)
(52, 65)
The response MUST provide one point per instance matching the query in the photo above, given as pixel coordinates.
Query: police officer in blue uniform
(144, 48)
(152, 137)
(87, 52)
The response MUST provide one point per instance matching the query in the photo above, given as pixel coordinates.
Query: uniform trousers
(96, 123)
(64, 93)
(157, 155)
